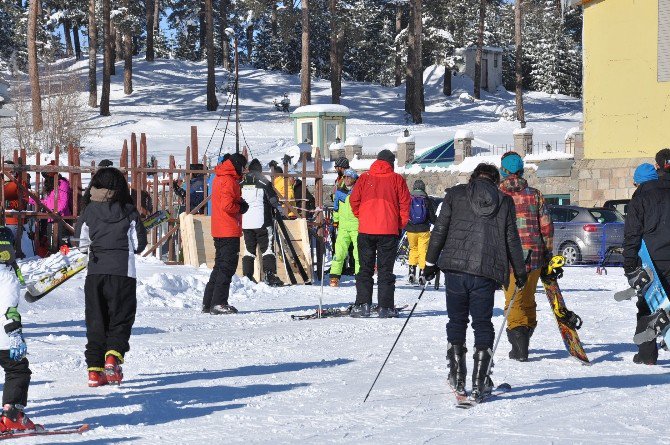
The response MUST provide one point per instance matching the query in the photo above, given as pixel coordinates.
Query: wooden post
(22, 206)
(171, 252)
(194, 143)
(134, 176)
(303, 157)
(187, 180)
(155, 190)
(54, 226)
(78, 191)
(123, 162)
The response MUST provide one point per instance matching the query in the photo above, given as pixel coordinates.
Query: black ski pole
(396, 341)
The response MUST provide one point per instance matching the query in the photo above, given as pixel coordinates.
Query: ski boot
(482, 385)
(96, 378)
(647, 353)
(457, 368)
(221, 309)
(273, 280)
(412, 275)
(14, 419)
(248, 263)
(206, 309)
(113, 370)
(519, 338)
(388, 312)
(334, 281)
(422, 278)
(360, 311)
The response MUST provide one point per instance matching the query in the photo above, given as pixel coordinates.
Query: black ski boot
(206, 309)
(412, 275)
(647, 353)
(458, 369)
(221, 309)
(388, 312)
(248, 263)
(519, 338)
(422, 278)
(273, 280)
(481, 382)
(360, 311)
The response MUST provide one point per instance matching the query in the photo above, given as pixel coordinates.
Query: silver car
(584, 235)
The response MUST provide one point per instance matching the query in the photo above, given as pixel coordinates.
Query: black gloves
(521, 281)
(430, 271)
(638, 279)
(243, 206)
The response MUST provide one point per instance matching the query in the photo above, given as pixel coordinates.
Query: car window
(606, 216)
(557, 215)
(571, 214)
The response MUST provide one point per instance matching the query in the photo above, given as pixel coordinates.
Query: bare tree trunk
(414, 82)
(212, 103)
(273, 18)
(446, 85)
(67, 35)
(92, 55)
(398, 47)
(157, 16)
(409, 71)
(335, 68)
(107, 61)
(480, 46)
(150, 30)
(117, 48)
(77, 43)
(127, 63)
(305, 68)
(201, 30)
(250, 41)
(35, 93)
(225, 38)
(518, 70)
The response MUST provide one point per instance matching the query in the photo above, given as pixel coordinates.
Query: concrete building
(320, 126)
(492, 74)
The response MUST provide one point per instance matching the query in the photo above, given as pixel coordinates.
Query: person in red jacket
(227, 209)
(380, 200)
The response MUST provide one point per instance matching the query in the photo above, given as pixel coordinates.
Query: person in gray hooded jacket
(111, 229)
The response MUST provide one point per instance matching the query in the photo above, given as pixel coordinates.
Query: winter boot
(14, 419)
(360, 310)
(205, 309)
(458, 369)
(388, 312)
(412, 275)
(334, 281)
(422, 278)
(113, 370)
(481, 382)
(519, 338)
(96, 378)
(273, 280)
(248, 263)
(221, 309)
(647, 353)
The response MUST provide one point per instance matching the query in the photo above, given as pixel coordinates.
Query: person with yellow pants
(536, 231)
(347, 232)
(421, 216)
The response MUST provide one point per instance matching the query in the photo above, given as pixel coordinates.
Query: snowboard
(568, 322)
(73, 264)
(156, 219)
(79, 430)
(658, 323)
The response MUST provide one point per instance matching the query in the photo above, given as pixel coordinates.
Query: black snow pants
(225, 265)
(17, 379)
(648, 351)
(262, 238)
(379, 250)
(111, 304)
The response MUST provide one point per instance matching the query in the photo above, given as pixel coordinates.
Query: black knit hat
(663, 160)
(239, 162)
(105, 163)
(387, 155)
(342, 162)
(419, 185)
(255, 165)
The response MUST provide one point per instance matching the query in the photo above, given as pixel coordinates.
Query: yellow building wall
(626, 109)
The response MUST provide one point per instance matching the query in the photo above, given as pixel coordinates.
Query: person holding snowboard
(227, 210)
(475, 239)
(347, 222)
(421, 216)
(536, 231)
(13, 347)
(647, 219)
(111, 230)
(259, 194)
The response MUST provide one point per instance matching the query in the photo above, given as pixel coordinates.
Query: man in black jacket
(477, 238)
(648, 218)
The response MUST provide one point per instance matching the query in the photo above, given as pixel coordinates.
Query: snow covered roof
(353, 140)
(490, 49)
(340, 110)
(526, 130)
(464, 134)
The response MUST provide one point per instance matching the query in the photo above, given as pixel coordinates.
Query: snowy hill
(169, 97)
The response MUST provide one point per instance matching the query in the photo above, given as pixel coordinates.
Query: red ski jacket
(226, 195)
(380, 200)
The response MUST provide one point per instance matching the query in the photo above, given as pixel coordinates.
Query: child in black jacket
(111, 229)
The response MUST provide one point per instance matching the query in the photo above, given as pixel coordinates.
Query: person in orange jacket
(227, 209)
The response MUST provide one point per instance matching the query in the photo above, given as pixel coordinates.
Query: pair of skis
(463, 401)
(45, 432)
(337, 312)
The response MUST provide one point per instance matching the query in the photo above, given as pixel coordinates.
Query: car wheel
(570, 251)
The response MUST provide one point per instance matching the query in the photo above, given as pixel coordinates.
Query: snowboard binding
(553, 271)
(569, 318)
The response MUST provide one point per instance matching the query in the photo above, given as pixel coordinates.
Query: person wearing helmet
(348, 228)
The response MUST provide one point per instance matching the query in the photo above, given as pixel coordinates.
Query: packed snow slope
(260, 377)
(169, 96)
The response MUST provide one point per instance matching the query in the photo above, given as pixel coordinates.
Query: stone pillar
(578, 144)
(405, 151)
(352, 146)
(462, 145)
(523, 141)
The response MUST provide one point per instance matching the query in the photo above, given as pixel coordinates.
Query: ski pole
(323, 266)
(396, 341)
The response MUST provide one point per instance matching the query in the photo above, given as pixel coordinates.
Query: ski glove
(430, 271)
(243, 206)
(521, 281)
(17, 345)
(638, 279)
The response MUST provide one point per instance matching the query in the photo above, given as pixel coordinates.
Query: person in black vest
(475, 239)
(257, 224)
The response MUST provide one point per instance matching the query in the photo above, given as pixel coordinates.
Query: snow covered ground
(260, 377)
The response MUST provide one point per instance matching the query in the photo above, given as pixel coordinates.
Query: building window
(307, 133)
(331, 132)
(664, 40)
(495, 61)
(557, 200)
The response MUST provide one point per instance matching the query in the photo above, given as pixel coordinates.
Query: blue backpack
(418, 211)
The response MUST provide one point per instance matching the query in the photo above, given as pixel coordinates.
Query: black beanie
(239, 162)
(419, 185)
(387, 155)
(255, 165)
